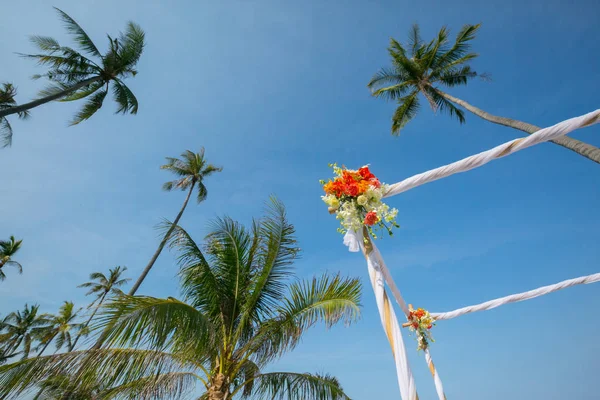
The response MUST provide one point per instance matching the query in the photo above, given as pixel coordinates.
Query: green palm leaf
(294, 386)
(90, 108)
(81, 37)
(407, 109)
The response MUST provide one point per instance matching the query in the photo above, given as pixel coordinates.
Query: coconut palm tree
(7, 100)
(21, 328)
(425, 67)
(59, 328)
(8, 248)
(101, 287)
(74, 76)
(191, 170)
(242, 307)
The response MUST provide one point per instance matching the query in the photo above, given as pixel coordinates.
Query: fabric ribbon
(352, 240)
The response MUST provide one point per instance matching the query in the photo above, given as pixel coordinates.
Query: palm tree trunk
(88, 321)
(46, 345)
(44, 100)
(579, 147)
(162, 244)
(218, 389)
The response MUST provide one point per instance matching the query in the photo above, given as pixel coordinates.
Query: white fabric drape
(406, 381)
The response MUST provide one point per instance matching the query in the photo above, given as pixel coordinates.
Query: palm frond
(45, 43)
(142, 321)
(414, 39)
(327, 299)
(125, 98)
(277, 250)
(16, 265)
(79, 34)
(110, 367)
(408, 107)
(297, 386)
(132, 44)
(90, 108)
(460, 48)
(172, 385)
(6, 134)
(457, 76)
(445, 105)
(83, 92)
(202, 193)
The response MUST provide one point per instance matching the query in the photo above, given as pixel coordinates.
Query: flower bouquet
(355, 197)
(421, 322)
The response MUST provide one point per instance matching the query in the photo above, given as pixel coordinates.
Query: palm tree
(7, 100)
(101, 286)
(242, 308)
(74, 76)
(439, 63)
(59, 328)
(8, 248)
(21, 328)
(191, 169)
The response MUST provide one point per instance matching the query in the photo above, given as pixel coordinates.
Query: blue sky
(275, 91)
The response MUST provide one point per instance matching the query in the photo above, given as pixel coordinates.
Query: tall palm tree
(74, 76)
(101, 287)
(427, 66)
(21, 328)
(59, 328)
(7, 100)
(8, 248)
(242, 308)
(191, 169)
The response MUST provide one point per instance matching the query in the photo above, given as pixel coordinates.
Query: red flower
(415, 325)
(420, 313)
(371, 218)
(352, 189)
(429, 327)
(365, 173)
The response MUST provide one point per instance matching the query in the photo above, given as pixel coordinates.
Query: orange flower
(420, 313)
(363, 186)
(335, 187)
(349, 177)
(371, 218)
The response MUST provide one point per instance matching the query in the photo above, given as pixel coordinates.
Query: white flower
(362, 200)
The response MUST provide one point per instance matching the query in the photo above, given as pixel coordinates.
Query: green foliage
(191, 169)
(429, 65)
(242, 307)
(7, 101)
(20, 330)
(74, 76)
(60, 327)
(8, 248)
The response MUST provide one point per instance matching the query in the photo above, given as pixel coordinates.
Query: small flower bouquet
(421, 322)
(355, 197)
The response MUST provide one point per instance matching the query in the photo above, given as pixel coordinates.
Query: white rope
(505, 149)
(518, 297)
